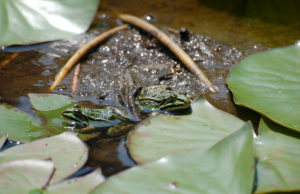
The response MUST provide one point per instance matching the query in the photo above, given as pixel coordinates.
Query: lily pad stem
(183, 56)
(82, 52)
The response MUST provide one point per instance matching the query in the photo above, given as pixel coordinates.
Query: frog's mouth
(71, 115)
(175, 105)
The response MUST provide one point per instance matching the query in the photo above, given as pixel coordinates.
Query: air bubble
(149, 18)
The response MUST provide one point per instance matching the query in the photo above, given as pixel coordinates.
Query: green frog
(118, 121)
(107, 117)
(161, 98)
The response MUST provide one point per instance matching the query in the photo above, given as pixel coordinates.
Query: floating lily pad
(228, 167)
(48, 102)
(24, 22)
(51, 106)
(18, 125)
(278, 158)
(164, 134)
(78, 185)
(269, 82)
(23, 176)
(66, 150)
(23, 127)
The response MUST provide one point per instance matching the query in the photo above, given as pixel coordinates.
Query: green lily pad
(18, 125)
(24, 22)
(3, 139)
(23, 176)
(164, 134)
(66, 150)
(278, 158)
(48, 102)
(228, 167)
(78, 185)
(23, 127)
(269, 82)
(50, 106)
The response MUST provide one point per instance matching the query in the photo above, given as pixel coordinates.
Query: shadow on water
(22, 48)
(272, 11)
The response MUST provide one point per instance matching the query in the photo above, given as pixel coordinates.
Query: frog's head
(178, 102)
(75, 114)
(156, 98)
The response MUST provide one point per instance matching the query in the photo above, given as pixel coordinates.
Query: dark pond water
(218, 37)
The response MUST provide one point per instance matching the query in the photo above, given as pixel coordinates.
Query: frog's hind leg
(120, 129)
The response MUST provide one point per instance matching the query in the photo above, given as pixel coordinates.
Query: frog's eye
(76, 106)
(137, 91)
(173, 96)
(168, 88)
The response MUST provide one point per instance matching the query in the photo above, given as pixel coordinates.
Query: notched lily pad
(217, 170)
(59, 148)
(48, 102)
(269, 82)
(23, 176)
(278, 158)
(24, 22)
(18, 125)
(164, 134)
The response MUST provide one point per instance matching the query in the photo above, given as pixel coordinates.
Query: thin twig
(76, 72)
(75, 78)
(183, 56)
(5, 62)
(82, 52)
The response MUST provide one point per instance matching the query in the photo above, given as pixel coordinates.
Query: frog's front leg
(127, 93)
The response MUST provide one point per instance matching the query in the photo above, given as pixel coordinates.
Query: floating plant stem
(7, 61)
(75, 78)
(82, 52)
(183, 56)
